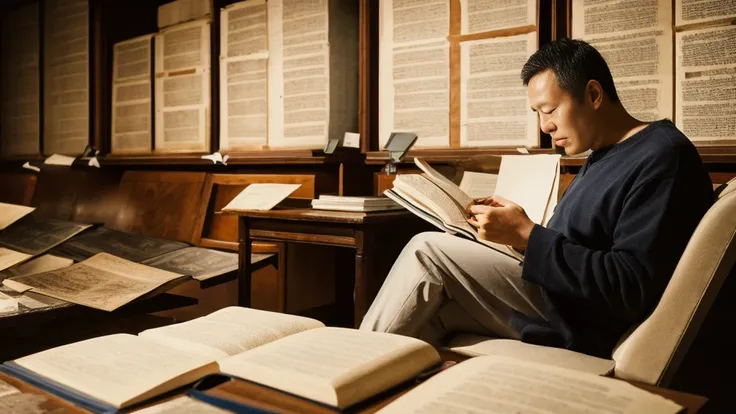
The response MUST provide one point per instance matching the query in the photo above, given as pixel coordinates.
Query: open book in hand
(335, 366)
(442, 203)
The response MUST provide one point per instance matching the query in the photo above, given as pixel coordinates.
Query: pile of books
(362, 204)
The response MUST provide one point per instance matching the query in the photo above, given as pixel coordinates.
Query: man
(605, 257)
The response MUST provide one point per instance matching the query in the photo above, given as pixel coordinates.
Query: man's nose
(548, 127)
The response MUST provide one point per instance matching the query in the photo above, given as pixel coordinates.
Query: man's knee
(427, 241)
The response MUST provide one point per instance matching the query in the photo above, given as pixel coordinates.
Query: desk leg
(244, 262)
(365, 279)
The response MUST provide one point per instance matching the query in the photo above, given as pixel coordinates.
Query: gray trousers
(442, 284)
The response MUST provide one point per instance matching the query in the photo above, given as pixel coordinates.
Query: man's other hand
(501, 221)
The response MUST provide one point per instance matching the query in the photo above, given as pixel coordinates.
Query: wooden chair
(220, 231)
(653, 351)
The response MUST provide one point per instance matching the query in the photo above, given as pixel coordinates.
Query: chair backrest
(653, 351)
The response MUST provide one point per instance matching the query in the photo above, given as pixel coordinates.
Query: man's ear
(594, 93)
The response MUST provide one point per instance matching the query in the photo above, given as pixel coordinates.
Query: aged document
(182, 98)
(485, 15)
(102, 282)
(244, 75)
(10, 258)
(493, 101)
(700, 11)
(10, 213)
(414, 72)
(131, 96)
(35, 235)
(260, 196)
(299, 75)
(638, 50)
(66, 76)
(706, 75)
(19, 90)
(496, 384)
(129, 246)
(197, 262)
(39, 264)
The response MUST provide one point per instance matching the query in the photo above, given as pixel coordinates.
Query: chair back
(653, 351)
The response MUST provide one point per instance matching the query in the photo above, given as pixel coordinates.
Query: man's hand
(501, 221)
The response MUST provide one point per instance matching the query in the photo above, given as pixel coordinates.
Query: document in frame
(414, 71)
(479, 16)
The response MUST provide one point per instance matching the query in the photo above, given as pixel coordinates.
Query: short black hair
(574, 62)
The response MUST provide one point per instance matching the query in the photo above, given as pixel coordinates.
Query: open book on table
(334, 366)
(530, 181)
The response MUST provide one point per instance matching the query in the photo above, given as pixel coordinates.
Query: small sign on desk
(260, 196)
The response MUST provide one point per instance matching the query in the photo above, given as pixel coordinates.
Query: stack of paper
(363, 204)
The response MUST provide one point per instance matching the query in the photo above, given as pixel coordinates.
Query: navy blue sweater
(614, 240)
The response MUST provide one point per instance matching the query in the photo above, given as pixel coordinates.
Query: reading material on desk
(10, 213)
(197, 262)
(102, 282)
(360, 204)
(260, 196)
(35, 235)
(499, 384)
(335, 366)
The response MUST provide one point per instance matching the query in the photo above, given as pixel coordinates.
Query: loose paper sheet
(699, 11)
(497, 384)
(414, 71)
(10, 213)
(20, 100)
(66, 76)
(478, 185)
(102, 282)
(260, 196)
(638, 50)
(183, 87)
(244, 75)
(131, 96)
(299, 76)
(486, 15)
(56, 159)
(494, 102)
(39, 264)
(528, 181)
(706, 75)
(10, 258)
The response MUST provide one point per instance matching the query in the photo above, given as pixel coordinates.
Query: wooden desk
(376, 237)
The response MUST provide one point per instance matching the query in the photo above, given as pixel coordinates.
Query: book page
(197, 262)
(129, 246)
(417, 209)
(699, 11)
(119, 369)
(478, 185)
(706, 73)
(334, 366)
(131, 96)
(497, 384)
(231, 330)
(39, 264)
(19, 88)
(414, 71)
(423, 190)
(299, 87)
(10, 213)
(102, 282)
(35, 235)
(183, 405)
(66, 76)
(260, 196)
(493, 101)
(638, 51)
(244, 75)
(182, 83)
(527, 180)
(457, 194)
(486, 15)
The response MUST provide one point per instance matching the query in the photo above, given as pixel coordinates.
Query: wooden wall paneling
(17, 188)
(79, 194)
(160, 203)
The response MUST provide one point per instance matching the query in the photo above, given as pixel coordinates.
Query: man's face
(568, 121)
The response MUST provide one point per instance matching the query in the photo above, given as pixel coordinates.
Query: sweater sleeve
(628, 277)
